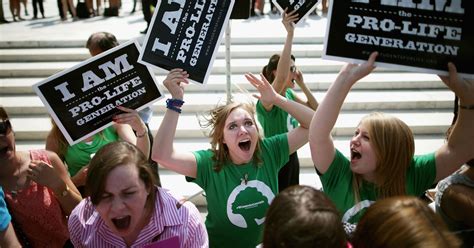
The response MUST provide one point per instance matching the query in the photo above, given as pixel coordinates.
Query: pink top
(89, 230)
(38, 212)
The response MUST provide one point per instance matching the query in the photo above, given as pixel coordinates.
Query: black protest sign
(417, 35)
(82, 100)
(186, 34)
(302, 7)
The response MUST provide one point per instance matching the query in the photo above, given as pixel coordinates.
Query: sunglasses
(5, 127)
(293, 68)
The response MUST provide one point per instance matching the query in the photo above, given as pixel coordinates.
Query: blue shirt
(5, 217)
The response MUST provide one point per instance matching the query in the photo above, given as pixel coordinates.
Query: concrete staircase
(421, 100)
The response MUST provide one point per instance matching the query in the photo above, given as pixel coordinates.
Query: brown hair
(394, 147)
(215, 119)
(301, 216)
(101, 40)
(111, 156)
(272, 65)
(402, 221)
(3, 113)
(6, 124)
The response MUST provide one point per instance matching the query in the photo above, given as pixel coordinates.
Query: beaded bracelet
(174, 104)
(467, 106)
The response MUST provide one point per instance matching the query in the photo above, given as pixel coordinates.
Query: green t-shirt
(79, 155)
(276, 121)
(236, 211)
(337, 184)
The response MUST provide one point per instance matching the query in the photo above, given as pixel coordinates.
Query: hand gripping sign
(418, 35)
(186, 34)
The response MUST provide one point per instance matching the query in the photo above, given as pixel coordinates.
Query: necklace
(245, 179)
(14, 191)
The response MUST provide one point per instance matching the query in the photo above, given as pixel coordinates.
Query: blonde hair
(215, 120)
(394, 147)
(58, 138)
(403, 221)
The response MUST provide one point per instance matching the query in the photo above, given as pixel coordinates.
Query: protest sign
(419, 36)
(302, 7)
(172, 242)
(186, 34)
(82, 100)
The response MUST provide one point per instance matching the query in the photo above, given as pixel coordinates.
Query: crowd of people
(76, 10)
(105, 190)
(80, 9)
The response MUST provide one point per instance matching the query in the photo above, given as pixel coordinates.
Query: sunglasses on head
(293, 68)
(5, 127)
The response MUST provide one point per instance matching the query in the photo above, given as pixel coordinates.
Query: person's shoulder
(278, 138)
(83, 222)
(171, 200)
(203, 154)
(82, 213)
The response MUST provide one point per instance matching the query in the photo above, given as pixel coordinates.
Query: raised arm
(283, 67)
(140, 137)
(459, 148)
(163, 150)
(298, 136)
(325, 117)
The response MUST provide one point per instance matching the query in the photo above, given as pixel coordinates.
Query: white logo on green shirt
(248, 203)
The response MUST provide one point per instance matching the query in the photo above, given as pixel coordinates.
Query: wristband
(471, 107)
(174, 104)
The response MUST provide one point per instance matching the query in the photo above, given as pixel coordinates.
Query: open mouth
(245, 145)
(355, 154)
(122, 223)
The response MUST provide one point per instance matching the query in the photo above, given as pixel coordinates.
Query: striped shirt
(87, 229)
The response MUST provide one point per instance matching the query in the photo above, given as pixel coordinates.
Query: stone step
(241, 65)
(81, 53)
(421, 122)
(314, 81)
(364, 100)
(235, 40)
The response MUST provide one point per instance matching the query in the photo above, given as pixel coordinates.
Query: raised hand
(175, 81)
(267, 95)
(131, 118)
(355, 72)
(463, 88)
(288, 20)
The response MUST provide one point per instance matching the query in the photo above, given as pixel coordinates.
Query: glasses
(293, 68)
(5, 127)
